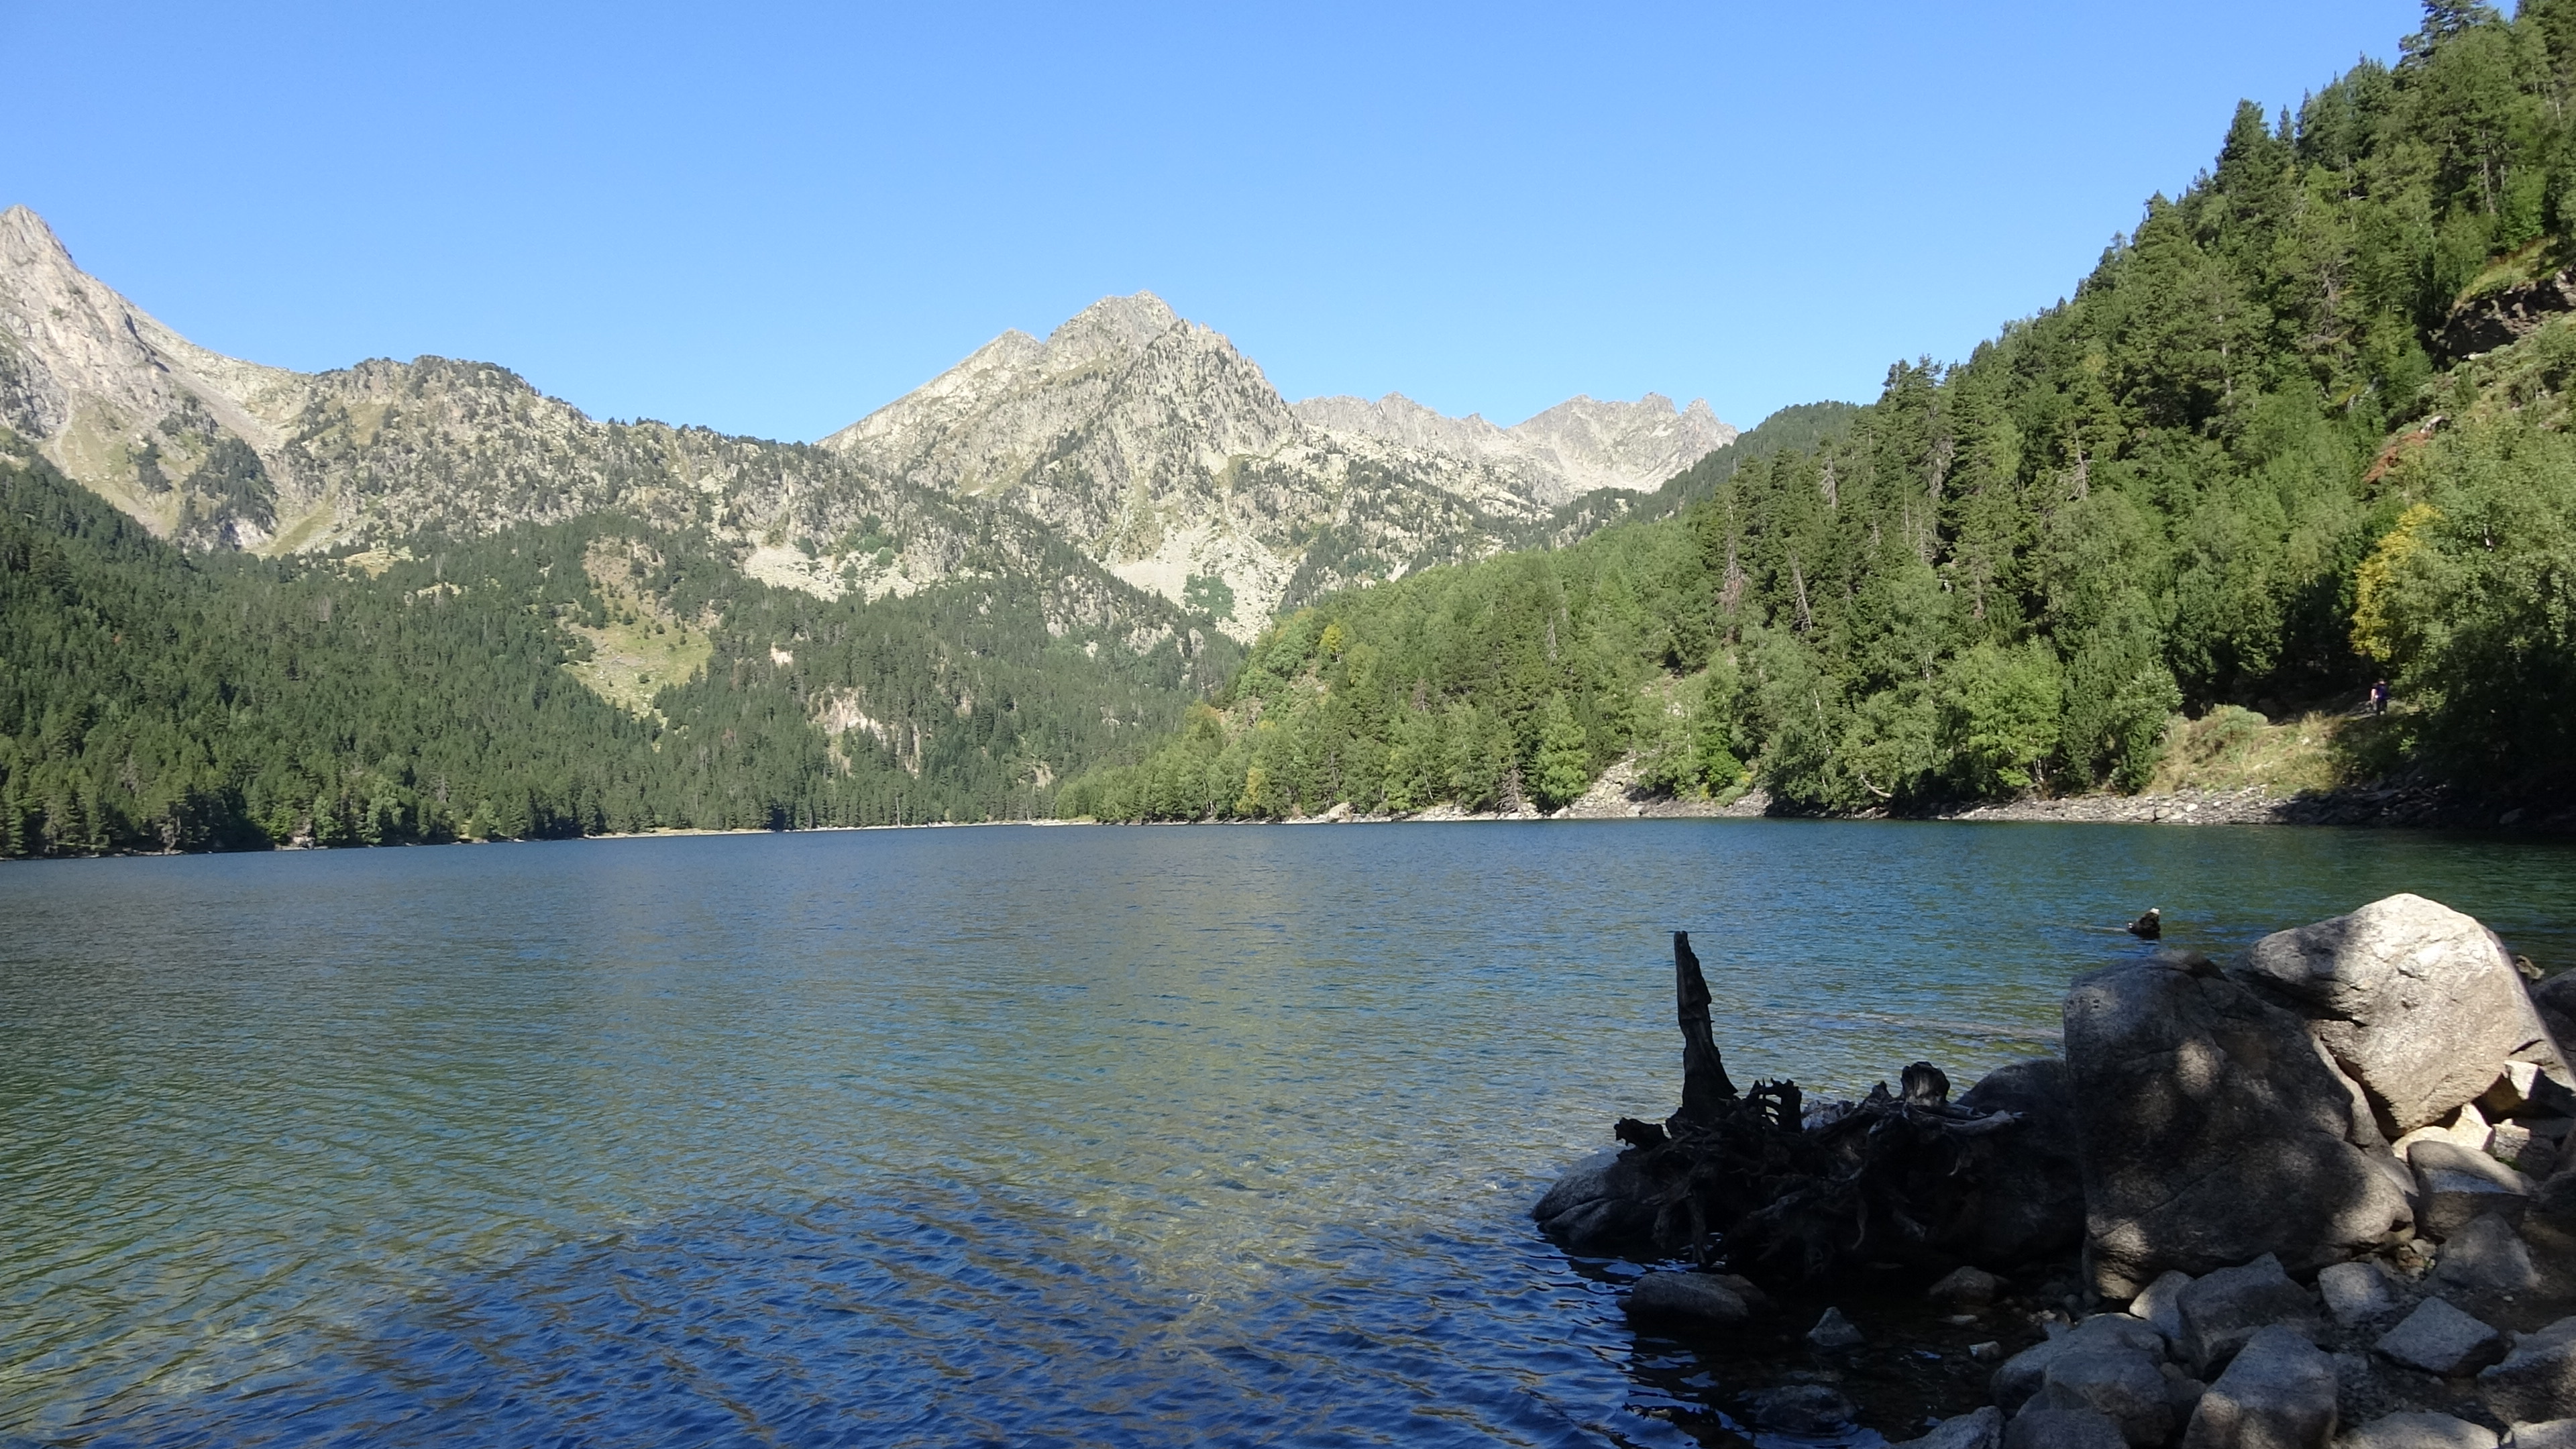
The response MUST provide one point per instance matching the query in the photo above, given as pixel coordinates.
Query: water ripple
(1005, 1136)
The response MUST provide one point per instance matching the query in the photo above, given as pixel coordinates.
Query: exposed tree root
(1781, 1192)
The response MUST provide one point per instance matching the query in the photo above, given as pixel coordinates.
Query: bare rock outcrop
(1578, 445)
(2501, 318)
(1130, 445)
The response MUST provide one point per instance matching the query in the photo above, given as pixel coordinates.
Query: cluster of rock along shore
(2310, 1197)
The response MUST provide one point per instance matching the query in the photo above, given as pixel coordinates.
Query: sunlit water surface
(1175, 1136)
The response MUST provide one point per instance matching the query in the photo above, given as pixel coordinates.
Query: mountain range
(420, 601)
(1167, 456)
(1146, 441)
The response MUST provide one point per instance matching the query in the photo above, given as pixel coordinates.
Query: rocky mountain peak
(1164, 453)
(1572, 448)
(27, 244)
(1111, 328)
(1143, 439)
(182, 437)
(1595, 444)
(1400, 420)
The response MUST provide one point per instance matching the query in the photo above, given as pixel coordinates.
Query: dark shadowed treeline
(2301, 430)
(152, 698)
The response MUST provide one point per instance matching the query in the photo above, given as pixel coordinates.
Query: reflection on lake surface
(1207, 1135)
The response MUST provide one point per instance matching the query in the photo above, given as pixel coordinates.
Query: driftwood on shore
(1900, 1179)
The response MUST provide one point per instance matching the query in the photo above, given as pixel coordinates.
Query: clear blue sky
(773, 218)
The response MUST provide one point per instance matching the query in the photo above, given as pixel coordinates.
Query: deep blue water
(1205, 1135)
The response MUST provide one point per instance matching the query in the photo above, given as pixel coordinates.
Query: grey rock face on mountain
(217, 452)
(1167, 455)
(1145, 444)
(1572, 448)
(172, 433)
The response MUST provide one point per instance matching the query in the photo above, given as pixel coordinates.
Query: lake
(1076, 1135)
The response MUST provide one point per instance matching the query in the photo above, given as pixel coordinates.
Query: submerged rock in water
(1833, 1331)
(1802, 1409)
(1692, 1298)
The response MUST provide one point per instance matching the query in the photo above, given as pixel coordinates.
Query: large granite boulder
(2417, 1002)
(2033, 1178)
(2212, 1130)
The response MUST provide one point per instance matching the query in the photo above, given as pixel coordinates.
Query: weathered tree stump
(1782, 1192)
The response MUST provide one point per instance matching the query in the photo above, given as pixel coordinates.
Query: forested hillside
(2302, 429)
(153, 698)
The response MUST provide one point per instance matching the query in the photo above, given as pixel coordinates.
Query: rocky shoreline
(2403, 803)
(2312, 1197)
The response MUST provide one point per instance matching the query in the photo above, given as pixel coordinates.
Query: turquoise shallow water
(1205, 1135)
